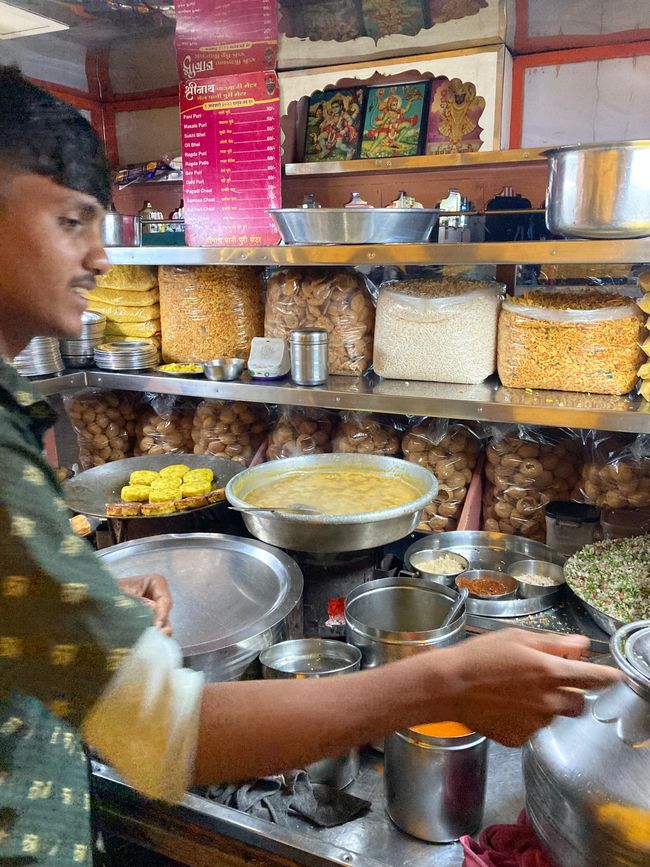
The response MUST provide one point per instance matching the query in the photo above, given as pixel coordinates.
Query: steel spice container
(599, 190)
(317, 657)
(587, 779)
(390, 618)
(435, 787)
(309, 360)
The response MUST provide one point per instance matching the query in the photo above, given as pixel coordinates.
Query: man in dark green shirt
(78, 657)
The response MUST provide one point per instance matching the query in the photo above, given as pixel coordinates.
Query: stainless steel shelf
(427, 162)
(489, 401)
(522, 253)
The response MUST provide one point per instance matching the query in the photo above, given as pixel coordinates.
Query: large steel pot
(599, 190)
(232, 597)
(391, 618)
(588, 779)
(333, 533)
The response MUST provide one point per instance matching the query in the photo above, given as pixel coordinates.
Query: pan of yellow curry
(363, 501)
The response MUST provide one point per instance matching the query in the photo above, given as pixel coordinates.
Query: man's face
(50, 250)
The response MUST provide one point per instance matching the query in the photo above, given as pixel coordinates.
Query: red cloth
(505, 846)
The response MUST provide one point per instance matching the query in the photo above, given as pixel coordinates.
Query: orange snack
(443, 730)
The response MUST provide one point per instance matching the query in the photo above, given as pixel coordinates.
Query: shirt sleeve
(161, 702)
(65, 626)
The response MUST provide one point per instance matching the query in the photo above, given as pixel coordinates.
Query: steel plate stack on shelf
(41, 357)
(127, 355)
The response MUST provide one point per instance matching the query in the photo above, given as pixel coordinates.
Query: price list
(231, 160)
(226, 37)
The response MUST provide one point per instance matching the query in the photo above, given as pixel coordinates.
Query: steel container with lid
(391, 618)
(435, 786)
(570, 526)
(317, 657)
(587, 779)
(309, 360)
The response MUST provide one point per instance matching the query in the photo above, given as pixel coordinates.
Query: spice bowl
(425, 563)
(530, 574)
(224, 369)
(472, 577)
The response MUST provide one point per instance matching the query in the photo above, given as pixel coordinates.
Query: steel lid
(225, 589)
(309, 335)
(631, 649)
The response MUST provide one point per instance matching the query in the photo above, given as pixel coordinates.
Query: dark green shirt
(64, 628)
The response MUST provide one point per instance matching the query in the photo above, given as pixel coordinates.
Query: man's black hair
(43, 135)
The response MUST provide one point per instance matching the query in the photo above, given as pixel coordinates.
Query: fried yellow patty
(135, 493)
(143, 477)
(175, 470)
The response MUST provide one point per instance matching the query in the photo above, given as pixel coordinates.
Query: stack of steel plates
(41, 357)
(80, 352)
(127, 355)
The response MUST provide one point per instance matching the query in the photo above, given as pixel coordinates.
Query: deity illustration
(333, 125)
(393, 121)
(454, 117)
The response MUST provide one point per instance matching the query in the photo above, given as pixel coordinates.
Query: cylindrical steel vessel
(309, 360)
(390, 618)
(317, 657)
(435, 787)
(599, 190)
(121, 231)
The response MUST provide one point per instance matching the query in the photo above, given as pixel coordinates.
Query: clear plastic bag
(364, 434)
(450, 451)
(579, 340)
(104, 422)
(164, 425)
(120, 313)
(143, 330)
(616, 473)
(133, 278)
(232, 430)
(337, 300)
(209, 311)
(301, 431)
(526, 468)
(437, 330)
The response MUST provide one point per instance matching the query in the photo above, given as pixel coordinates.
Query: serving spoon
(453, 612)
(291, 509)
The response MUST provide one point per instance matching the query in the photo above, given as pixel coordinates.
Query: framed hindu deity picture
(334, 124)
(395, 120)
(454, 114)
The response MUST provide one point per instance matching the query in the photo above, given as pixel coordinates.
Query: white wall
(146, 135)
(50, 57)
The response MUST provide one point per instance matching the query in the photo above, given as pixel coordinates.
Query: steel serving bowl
(469, 578)
(419, 559)
(224, 369)
(121, 231)
(333, 533)
(355, 225)
(523, 568)
(599, 190)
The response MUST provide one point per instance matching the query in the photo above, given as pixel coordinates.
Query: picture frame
(454, 115)
(334, 124)
(395, 120)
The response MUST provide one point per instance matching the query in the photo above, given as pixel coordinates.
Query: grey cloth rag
(274, 798)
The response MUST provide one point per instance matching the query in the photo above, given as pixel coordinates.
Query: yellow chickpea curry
(340, 492)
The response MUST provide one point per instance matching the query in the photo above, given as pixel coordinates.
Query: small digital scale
(269, 358)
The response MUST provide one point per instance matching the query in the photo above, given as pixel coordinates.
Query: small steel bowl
(431, 554)
(224, 369)
(475, 574)
(522, 568)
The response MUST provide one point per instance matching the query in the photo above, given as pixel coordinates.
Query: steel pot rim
(432, 743)
(640, 144)
(387, 636)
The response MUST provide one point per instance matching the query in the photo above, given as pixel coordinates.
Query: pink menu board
(230, 130)
(226, 37)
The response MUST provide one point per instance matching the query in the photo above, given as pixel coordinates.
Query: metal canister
(309, 356)
(435, 787)
(317, 657)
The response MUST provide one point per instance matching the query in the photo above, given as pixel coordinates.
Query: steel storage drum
(435, 787)
(599, 190)
(232, 597)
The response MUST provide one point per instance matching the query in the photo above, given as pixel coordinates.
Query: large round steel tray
(232, 596)
(90, 491)
(498, 551)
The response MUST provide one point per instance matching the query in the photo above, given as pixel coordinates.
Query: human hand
(512, 682)
(153, 590)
